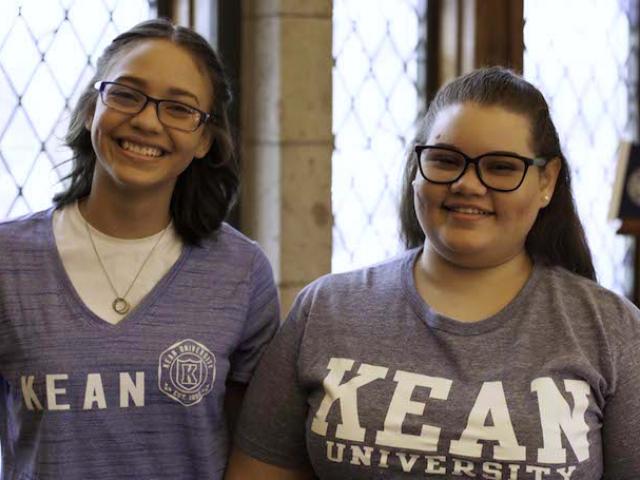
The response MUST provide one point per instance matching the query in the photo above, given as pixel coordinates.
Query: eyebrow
(172, 91)
(448, 145)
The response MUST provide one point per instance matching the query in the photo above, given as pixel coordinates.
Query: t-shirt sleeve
(262, 322)
(271, 427)
(621, 422)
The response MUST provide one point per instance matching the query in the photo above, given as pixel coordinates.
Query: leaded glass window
(586, 66)
(48, 51)
(378, 51)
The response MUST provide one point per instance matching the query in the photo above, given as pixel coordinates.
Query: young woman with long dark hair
(131, 315)
(486, 350)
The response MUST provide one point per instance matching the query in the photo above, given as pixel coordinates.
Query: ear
(204, 145)
(548, 178)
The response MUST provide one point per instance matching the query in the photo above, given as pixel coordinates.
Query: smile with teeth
(144, 150)
(469, 210)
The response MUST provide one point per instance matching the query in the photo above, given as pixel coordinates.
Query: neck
(447, 274)
(126, 216)
(469, 294)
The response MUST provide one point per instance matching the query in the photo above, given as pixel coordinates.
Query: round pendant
(120, 305)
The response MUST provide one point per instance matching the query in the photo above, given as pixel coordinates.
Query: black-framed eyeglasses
(500, 171)
(172, 114)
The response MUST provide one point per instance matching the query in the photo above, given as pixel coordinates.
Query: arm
(270, 435)
(262, 321)
(232, 403)
(243, 467)
(621, 420)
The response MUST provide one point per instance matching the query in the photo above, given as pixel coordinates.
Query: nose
(469, 183)
(147, 118)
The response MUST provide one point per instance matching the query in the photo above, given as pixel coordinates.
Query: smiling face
(464, 222)
(137, 152)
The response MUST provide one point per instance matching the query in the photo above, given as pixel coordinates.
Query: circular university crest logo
(186, 371)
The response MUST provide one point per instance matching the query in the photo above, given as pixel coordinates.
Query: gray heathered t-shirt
(364, 380)
(83, 399)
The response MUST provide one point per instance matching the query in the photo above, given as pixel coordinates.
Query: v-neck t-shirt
(136, 265)
(82, 398)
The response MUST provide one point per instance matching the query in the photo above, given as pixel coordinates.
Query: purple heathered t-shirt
(366, 381)
(84, 399)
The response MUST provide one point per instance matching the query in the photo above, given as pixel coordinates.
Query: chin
(477, 259)
(468, 261)
(467, 254)
(466, 247)
(137, 181)
(474, 263)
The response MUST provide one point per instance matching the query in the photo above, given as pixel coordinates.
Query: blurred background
(327, 94)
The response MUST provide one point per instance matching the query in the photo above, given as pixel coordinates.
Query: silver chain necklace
(120, 305)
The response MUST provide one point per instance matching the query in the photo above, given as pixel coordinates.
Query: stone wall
(286, 139)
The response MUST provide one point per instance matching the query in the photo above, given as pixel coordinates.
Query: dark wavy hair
(557, 236)
(205, 192)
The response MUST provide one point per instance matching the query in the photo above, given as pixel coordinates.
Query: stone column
(286, 138)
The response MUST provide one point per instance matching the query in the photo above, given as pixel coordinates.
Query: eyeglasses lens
(496, 171)
(172, 114)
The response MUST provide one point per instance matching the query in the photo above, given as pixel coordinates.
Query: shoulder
(228, 238)
(384, 274)
(229, 243)
(577, 288)
(231, 253)
(228, 233)
(25, 230)
(375, 283)
(587, 302)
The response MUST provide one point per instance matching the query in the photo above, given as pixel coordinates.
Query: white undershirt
(122, 259)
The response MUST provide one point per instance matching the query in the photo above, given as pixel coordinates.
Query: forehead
(476, 129)
(160, 66)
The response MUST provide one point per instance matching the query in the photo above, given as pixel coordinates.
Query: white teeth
(469, 210)
(141, 149)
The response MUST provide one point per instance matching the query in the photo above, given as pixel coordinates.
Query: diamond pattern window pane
(378, 50)
(587, 70)
(48, 51)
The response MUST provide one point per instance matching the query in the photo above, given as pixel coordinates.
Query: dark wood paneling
(467, 34)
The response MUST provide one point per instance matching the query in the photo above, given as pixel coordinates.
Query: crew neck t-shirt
(365, 380)
(82, 399)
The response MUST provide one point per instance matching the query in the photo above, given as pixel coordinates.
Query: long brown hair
(557, 236)
(206, 190)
